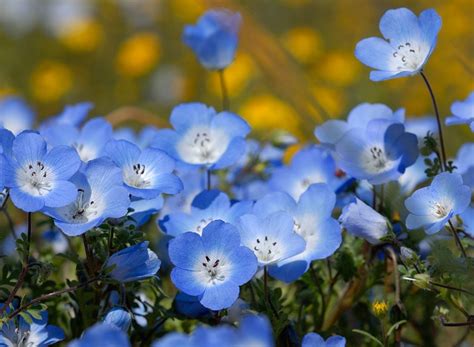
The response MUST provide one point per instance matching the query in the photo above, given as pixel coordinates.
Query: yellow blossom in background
(187, 10)
(50, 81)
(138, 55)
(237, 76)
(338, 68)
(290, 152)
(82, 35)
(303, 43)
(380, 308)
(331, 99)
(266, 112)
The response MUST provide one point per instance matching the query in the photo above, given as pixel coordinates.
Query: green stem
(456, 238)
(225, 95)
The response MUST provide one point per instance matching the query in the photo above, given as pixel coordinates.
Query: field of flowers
(240, 174)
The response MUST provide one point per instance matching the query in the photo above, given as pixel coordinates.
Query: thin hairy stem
(457, 239)
(225, 94)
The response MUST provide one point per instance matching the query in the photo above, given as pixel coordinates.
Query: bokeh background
(295, 65)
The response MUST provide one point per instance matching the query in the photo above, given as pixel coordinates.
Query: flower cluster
(239, 228)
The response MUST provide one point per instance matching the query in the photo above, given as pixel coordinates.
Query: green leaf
(370, 336)
(395, 326)
(26, 317)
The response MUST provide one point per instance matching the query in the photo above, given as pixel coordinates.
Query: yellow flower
(338, 68)
(264, 112)
(82, 35)
(380, 308)
(186, 10)
(138, 55)
(50, 81)
(237, 75)
(304, 43)
(333, 100)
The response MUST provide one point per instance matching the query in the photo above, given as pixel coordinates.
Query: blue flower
(190, 306)
(432, 207)
(119, 317)
(133, 263)
(102, 334)
(56, 240)
(379, 154)
(315, 340)
(463, 112)
(331, 131)
(143, 209)
(308, 166)
(361, 220)
(468, 220)
(173, 340)
(38, 178)
(207, 206)
(214, 39)
(142, 139)
(99, 195)
(311, 220)
(72, 114)
(271, 238)
(15, 115)
(38, 333)
(146, 173)
(409, 42)
(211, 266)
(89, 141)
(202, 137)
(255, 330)
(464, 163)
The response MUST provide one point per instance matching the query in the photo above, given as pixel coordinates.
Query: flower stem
(456, 238)
(438, 120)
(24, 269)
(208, 179)
(3, 209)
(265, 283)
(111, 241)
(225, 95)
(450, 287)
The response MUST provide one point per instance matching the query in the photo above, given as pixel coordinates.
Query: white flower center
(85, 152)
(82, 210)
(35, 179)
(375, 160)
(202, 224)
(138, 176)
(201, 145)
(440, 209)
(266, 249)
(213, 269)
(409, 56)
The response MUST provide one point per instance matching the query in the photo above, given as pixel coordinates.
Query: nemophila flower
(464, 163)
(331, 131)
(18, 332)
(56, 240)
(254, 330)
(143, 139)
(379, 154)
(208, 206)
(102, 334)
(15, 115)
(432, 207)
(463, 112)
(315, 340)
(119, 317)
(6, 141)
(202, 137)
(271, 238)
(38, 178)
(172, 340)
(99, 194)
(89, 141)
(72, 114)
(361, 220)
(214, 38)
(211, 266)
(308, 166)
(146, 173)
(409, 42)
(311, 220)
(144, 209)
(133, 263)
(468, 220)
(190, 306)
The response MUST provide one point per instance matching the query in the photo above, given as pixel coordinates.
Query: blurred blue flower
(133, 263)
(119, 317)
(214, 38)
(99, 195)
(409, 42)
(144, 209)
(15, 115)
(208, 206)
(331, 131)
(254, 330)
(432, 207)
(72, 114)
(464, 163)
(315, 340)
(468, 220)
(143, 139)
(38, 178)
(311, 220)
(190, 306)
(173, 340)
(89, 141)
(308, 166)
(202, 137)
(102, 334)
(271, 238)
(56, 239)
(463, 112)
(38, 333)
(211, 266)
(379, 154)
(146, 174)
(361, 220)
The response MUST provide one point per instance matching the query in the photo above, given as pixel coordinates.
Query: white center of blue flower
(138, 176)
(213, 270)
(440, 209)
(375, 160)
(35, 179)
(202, 224)
(266, 249)
(202, 145)
(25, 339)
(409, 56)
(82, 210)
(85, 152)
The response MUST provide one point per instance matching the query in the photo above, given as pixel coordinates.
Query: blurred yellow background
(295, 65)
